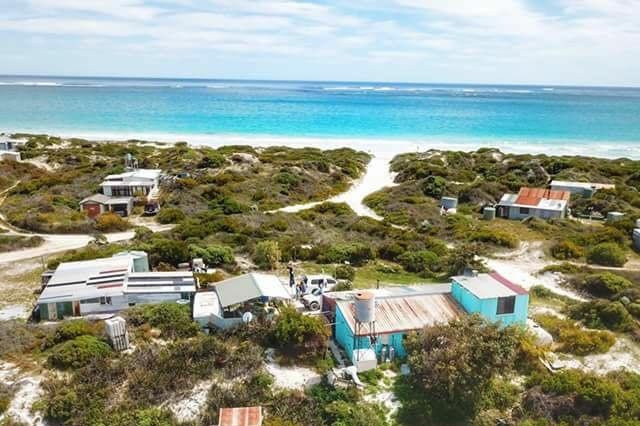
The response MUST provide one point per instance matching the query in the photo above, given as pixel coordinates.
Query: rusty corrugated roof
(532, 196)
(396, 314)
(240, 416)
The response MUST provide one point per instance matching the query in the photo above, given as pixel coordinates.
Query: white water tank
(116, 329)
(365, 305)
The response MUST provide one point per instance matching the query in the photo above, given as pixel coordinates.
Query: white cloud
(510, 40)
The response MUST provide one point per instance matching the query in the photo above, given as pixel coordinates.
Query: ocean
(559, 119)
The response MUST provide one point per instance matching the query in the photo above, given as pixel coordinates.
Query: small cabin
(492, 296)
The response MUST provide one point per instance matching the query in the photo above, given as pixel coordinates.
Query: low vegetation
(227, 180)
(570, 338)
(18, 242)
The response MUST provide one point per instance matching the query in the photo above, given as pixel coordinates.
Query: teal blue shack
(393, 317)
(492, 296)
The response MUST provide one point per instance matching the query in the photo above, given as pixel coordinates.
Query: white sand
(376, 177)
(379, 146)
(27, 392)
(624, 354)
(522, 266)
(55, 243)
(189, 408)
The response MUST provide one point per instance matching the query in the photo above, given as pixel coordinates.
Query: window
(524, 210)
(105, 300)
(506, 305)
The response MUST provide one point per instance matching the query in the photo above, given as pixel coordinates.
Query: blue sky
(586, 42)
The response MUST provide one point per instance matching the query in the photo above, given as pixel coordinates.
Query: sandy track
(55, 243)
(376, 177)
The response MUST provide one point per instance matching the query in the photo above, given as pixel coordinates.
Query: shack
(238, 299)
(492, 296)
(391, 319)
(534, 202)
(109, 285)
(585, 189)
(97, 204)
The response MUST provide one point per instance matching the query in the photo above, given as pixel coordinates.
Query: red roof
(532, 196)
(510, 285)
(240, 416)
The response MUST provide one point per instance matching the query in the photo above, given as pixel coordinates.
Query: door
(53, 311)
(76, 308)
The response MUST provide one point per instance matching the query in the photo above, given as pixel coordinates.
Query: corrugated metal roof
(533, 196)
(405, 313)
(160, 282)
(248, 287)
(489, 286)
(241, 416)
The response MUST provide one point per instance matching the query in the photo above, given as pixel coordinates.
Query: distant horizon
(276, 80)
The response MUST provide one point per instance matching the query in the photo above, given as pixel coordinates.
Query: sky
(574, 42)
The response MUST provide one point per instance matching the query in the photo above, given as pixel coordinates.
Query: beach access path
(377, 176)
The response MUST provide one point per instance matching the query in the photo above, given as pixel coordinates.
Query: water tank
(365, 305)
(636, 239)
(489, 213)
(637, 224)
(614, 216)
(449, 202)
(116, 329)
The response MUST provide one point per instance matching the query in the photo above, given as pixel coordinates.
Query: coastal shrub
(345, 272)
(573, 339)
(111, 222)
(299, 335)
(565, 250)
(267, 255)
(17, 242)
(213, 255)
(173, 320)
(422, 261)
(165, 250)
(605, 284)
(634, 309)
(453, 365)
(391, 251)
(572, 396)
(356, 254)
(607, 254)
(70, 329)
(170, 215)
(434, 186)
(78, 352)
(211, 160)
(496, 237)
(603, 314)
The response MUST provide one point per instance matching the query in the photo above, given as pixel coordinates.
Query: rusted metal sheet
(398, 314)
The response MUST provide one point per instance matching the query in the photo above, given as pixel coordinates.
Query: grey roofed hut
(249, 287)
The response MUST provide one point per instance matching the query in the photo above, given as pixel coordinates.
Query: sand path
(377, 176)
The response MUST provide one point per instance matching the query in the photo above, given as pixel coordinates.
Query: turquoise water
(579, 116)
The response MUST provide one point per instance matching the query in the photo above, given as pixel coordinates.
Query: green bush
(434, 186)
(422, 261)
(213, 255)
(565, 250)
(607, 254)
(5, 398)
(574, 340)
(495, 237)
(605, 284)
(173, 320)
(571, 396)
(453, 365)
(170, 215)
(267, 255)
(78, 352)
(345, 272)
(299, 335)
(603, 314)
(356, 254)
(70, 329)
(111, 222)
